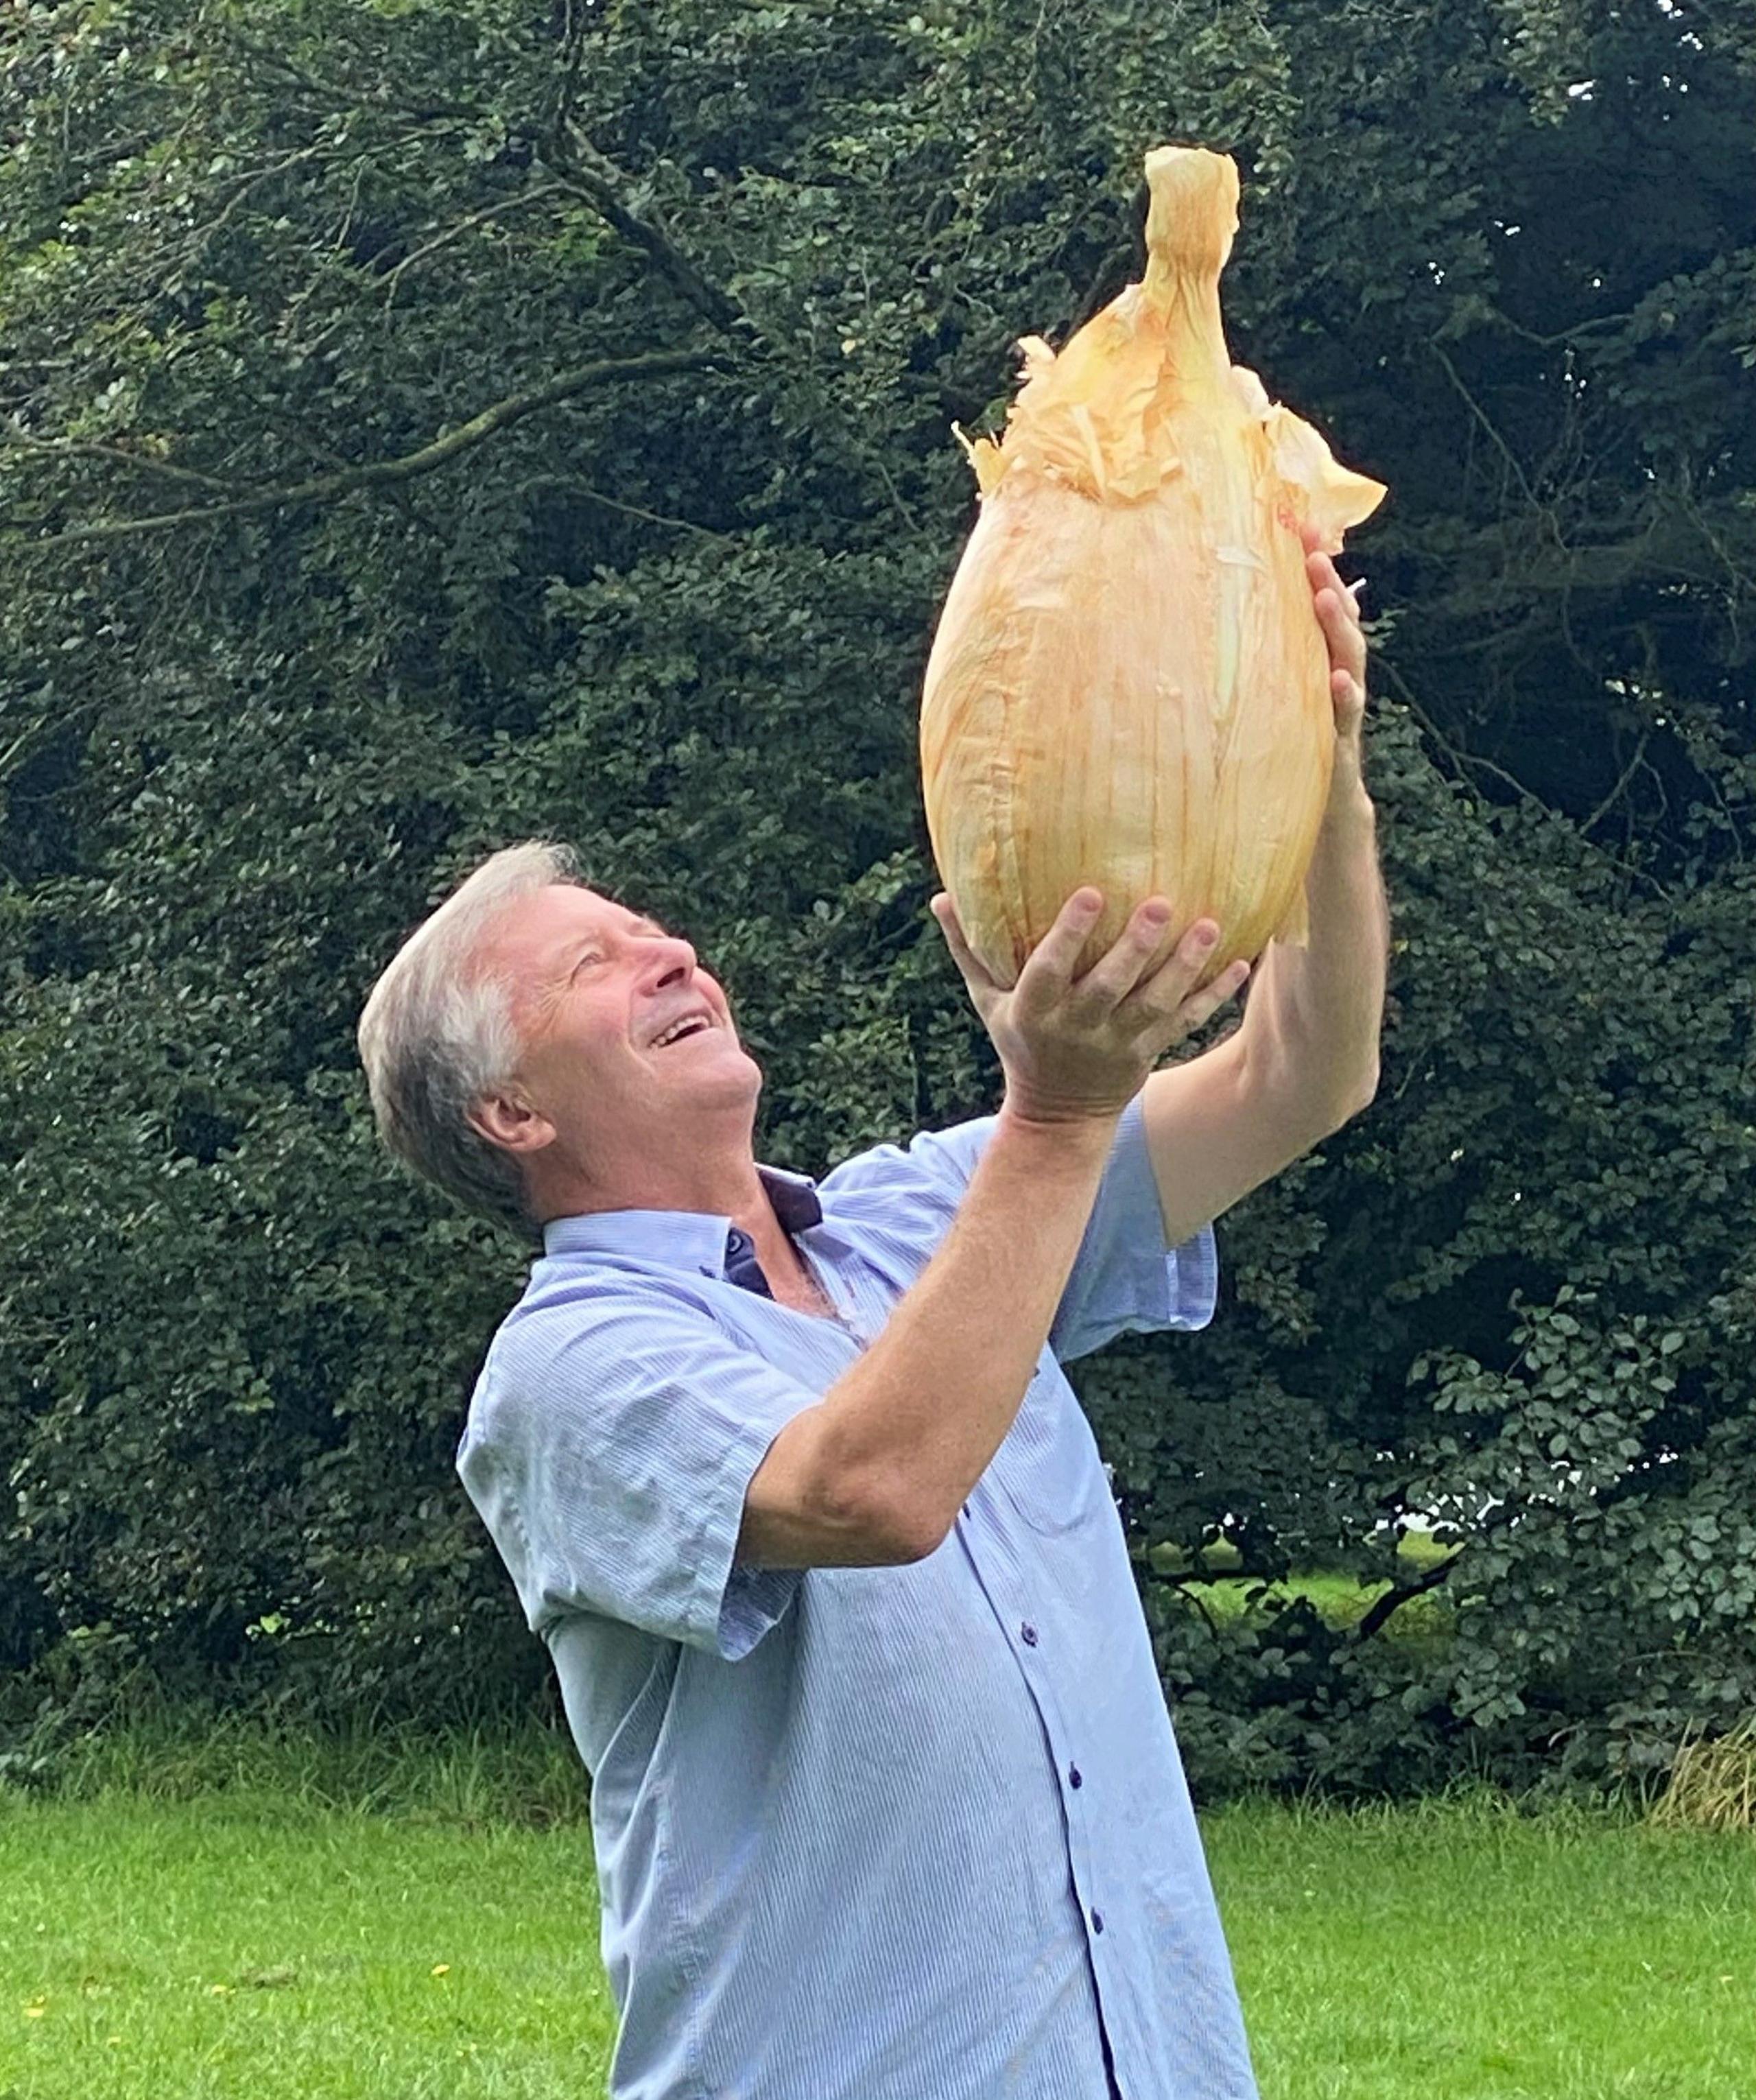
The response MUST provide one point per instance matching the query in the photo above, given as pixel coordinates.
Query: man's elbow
(904, 1529)
(887, 1523)
(1315, 1117)
(1361, 1098)
(812, 1504)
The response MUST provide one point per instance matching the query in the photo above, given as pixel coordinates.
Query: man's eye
(585, 962)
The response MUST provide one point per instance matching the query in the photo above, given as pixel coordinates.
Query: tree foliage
(424, 426)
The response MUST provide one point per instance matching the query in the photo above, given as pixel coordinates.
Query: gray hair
(437, 1034)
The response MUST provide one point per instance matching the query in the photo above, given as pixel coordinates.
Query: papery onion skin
(1128, 685)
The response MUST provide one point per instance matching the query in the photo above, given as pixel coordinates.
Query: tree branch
(393, 473)
(1180, 1583)
(573, 45)
(537, 193)
(1103, 281)
(250, 180)
(1614, 796)
(1470, 762)
(582, 168)
(1393, 1600)
(80, 448)
(574, 485)
(1481, 416)
(1567, 335)
(334, 90)
(1466, 761)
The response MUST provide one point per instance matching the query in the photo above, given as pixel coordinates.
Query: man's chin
(696, 1062)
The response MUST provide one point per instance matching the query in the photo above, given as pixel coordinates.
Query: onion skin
(1128, 686)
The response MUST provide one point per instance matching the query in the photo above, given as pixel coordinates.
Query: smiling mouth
(680, 1031)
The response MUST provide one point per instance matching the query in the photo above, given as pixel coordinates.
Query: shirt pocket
(1048, 1465)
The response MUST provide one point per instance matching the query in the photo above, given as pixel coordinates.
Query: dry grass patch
(1712, 1784)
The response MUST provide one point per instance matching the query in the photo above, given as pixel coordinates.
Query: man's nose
(673, 958)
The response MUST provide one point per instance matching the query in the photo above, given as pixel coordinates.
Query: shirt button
(1098, 1920)
(1027, 1635)
(1073, 1777)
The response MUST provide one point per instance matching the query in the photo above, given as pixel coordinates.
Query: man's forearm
(1311, 1027)
(876, 1474)
(925, 1409)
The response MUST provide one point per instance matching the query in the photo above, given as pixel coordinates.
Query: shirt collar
(680, 1239)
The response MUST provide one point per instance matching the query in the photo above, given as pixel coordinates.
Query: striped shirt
(862, 1833)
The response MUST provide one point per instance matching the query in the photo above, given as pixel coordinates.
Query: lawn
(242, 1919)
(1466, 1951)
(1341, 1600)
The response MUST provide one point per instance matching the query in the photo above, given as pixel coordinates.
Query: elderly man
(885, 1798)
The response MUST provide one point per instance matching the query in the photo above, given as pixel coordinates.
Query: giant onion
(1128, 685)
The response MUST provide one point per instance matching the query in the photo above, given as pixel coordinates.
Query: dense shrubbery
(288, 640)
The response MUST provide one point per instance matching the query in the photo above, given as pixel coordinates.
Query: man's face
(625, 1041)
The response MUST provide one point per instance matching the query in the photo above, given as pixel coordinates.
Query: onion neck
(1188, 302)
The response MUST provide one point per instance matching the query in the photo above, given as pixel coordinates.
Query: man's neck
(725, 1184)
(710, 1170)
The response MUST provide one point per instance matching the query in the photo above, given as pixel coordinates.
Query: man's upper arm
(609, 1452)
(795, 1517)
(1127, 1278)
(1213, 1136)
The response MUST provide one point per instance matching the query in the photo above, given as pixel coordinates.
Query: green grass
(1462, 1951)
(230, 1914)
(197, 1949)
(1341, 1600)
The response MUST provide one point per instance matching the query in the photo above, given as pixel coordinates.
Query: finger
(1202, 1006)
(1181, 1016)
(1320, 566)
(1176, 978)
(1342, 633)
(1049, 968)
(970, 969)
(1118, 973)
(1348, 697)
(1336, 606)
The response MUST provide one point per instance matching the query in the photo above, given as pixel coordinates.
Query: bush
(291, 636)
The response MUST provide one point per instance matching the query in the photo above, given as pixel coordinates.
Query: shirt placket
(1032, 1635)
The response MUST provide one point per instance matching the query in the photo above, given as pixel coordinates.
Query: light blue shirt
(914, 1832)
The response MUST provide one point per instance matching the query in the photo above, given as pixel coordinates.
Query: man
(886, 1801)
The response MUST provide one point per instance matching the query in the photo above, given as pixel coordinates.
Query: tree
(428, 426)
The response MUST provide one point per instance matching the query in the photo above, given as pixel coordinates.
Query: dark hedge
(427, 426)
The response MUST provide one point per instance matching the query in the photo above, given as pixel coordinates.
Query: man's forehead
(549, 920)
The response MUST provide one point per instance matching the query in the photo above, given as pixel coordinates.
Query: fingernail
(1156, 915)
(1206, 937)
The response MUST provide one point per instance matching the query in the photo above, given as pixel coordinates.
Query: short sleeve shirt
(862, 1833)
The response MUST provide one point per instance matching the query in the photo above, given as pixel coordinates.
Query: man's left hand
(1337, 613)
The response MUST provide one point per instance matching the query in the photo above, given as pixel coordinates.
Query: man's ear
(508, 1121)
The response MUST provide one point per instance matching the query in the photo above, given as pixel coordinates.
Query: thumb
(972, 971)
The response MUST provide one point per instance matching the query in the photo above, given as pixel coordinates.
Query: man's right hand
(1080, 1049)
